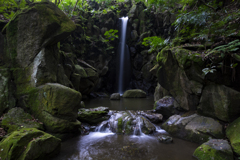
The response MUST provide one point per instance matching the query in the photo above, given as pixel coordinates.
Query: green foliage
(111, 35)
(155, 43)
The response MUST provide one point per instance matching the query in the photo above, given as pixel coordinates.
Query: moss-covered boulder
(93, 115)
(220, 102)
(29, 143)
(7, 100)
(16, 119)
(42, 24)
(193, 128)
(233, 135)
(214, 149)
(134, 93)
(56, 106)
(180, 73)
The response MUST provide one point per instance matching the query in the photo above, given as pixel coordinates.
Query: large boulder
(34, 54)
(180, 73)
(214, 149)
(29, 143)
(193, 128)
(93, 115)
(115, 96)
(134, 93)
(56, 106)
(45, 24)
(219, 101)
(16, 119)
(233, 135)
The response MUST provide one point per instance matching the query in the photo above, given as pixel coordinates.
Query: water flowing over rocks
(194, 128)
(214, 149)
(127, 122)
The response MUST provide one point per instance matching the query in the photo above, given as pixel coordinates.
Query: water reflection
(110, 146)
(123, 104)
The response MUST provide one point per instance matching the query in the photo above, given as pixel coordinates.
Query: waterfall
(124, 66)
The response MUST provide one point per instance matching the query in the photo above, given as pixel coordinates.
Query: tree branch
(208, 5)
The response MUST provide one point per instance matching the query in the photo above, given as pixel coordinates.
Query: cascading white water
(124, 58)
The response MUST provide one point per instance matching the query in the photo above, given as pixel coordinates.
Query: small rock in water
(165, 139)
(115, 96)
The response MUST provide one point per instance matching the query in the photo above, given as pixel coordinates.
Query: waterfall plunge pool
(112, 146)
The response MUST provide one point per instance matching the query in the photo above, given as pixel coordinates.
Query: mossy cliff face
(56, 106)
(29, 143)
(180, 74)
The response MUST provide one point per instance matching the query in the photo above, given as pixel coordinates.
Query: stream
(103, 144)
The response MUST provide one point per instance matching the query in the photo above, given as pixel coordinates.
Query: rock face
(134, 93)
(232, 133)
(181, 75)
(166, 106)
(160, 92)
(194, 128)
(29, 143)
(221, 102)
(56, 106)
(7, 100)
(93, 115)
(46, 26)
(16, 119)
(214, 149)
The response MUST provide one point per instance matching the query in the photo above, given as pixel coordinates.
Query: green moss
(205, 152)
(128, 128)
(16, 118)
(29, 143)
(233, 135)
(120, 125)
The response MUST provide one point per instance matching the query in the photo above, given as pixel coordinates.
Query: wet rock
(29, 143)
(115, 96)
(16, 119)
(134, 93)
(128, 122)
(193, 128)
(153, 117)
(93, 115)
(165, 139)
(233, 135)
(166, 106)
(214, 149)
(219, 101)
